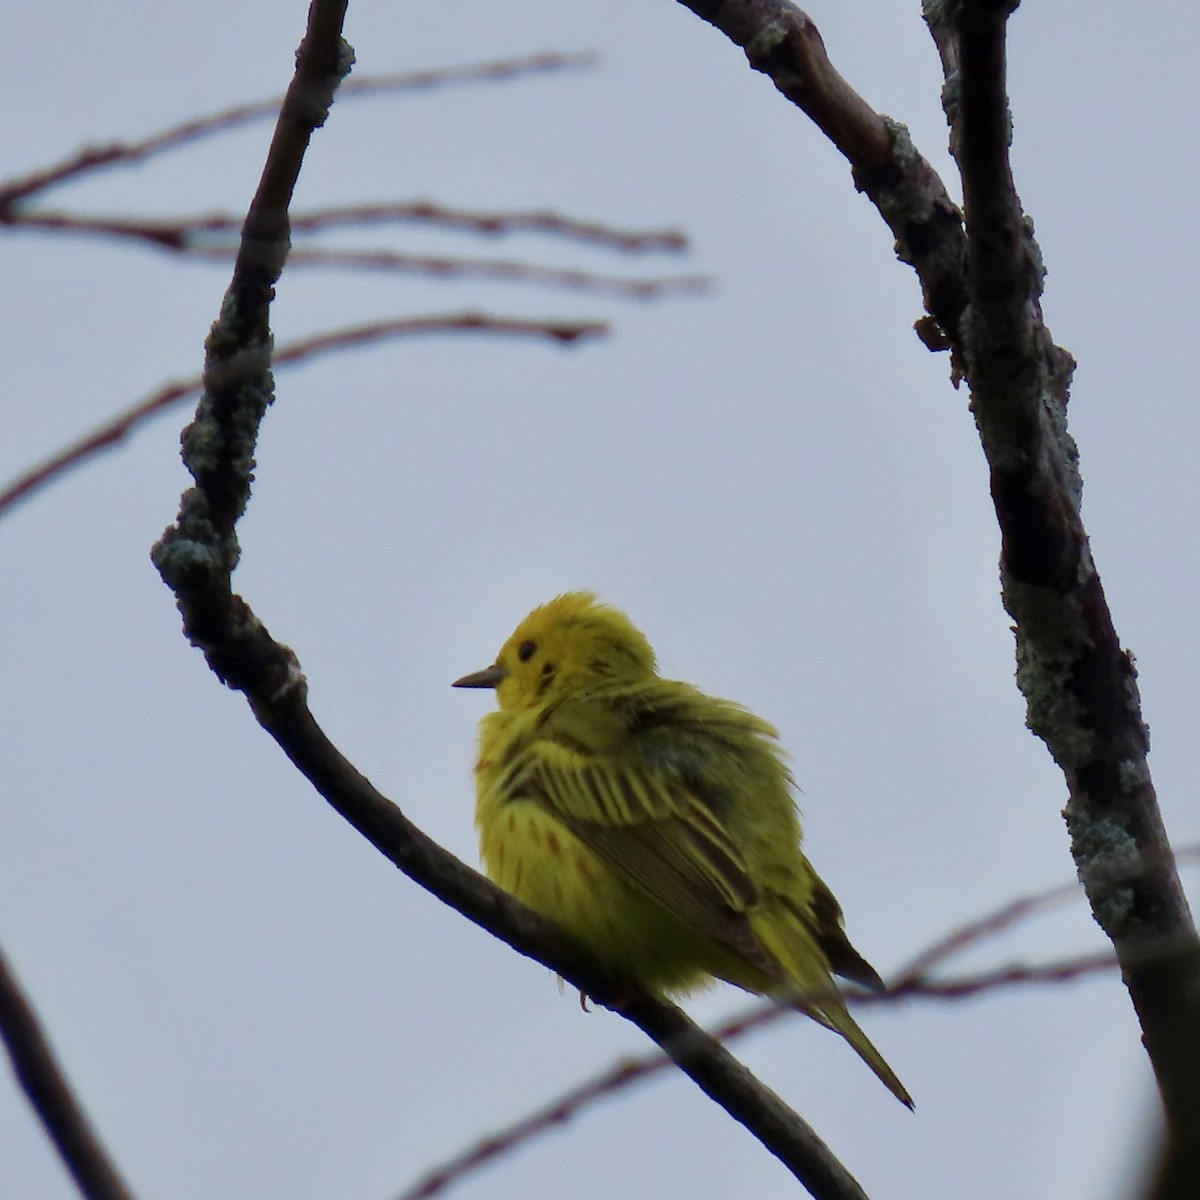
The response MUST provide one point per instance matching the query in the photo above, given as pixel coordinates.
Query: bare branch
(545, 1119)
(496, 223)
(783, 43)
(492, 71)
(44, 1082)
(192, 239)
(913, 981)
(977, 931)
(92, 158)
(197, 555)
(1079, 684)
(622, 1075)
(181, 233)
(985, 295)
(117, 428)
(508, 270)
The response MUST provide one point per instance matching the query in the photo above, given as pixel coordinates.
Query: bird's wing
(844, 960)
(647, 816)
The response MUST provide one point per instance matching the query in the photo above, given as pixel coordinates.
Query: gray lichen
(1108, 860)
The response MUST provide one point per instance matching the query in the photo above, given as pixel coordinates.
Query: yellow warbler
(653, 822)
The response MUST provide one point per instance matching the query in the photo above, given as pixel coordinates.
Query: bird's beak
(488, 677)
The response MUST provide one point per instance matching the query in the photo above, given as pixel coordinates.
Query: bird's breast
(538, 859)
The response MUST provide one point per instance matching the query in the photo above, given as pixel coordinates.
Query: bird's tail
(834, 1016)
(803, 977)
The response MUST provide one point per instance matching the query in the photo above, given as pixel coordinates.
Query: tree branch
(197, 555)
(1079, 684)
(183, 234)
(93, 158)
(783, 43)
(913, 981)
(286, 717)
(508, 270)
(44, 1082)
(118, 427)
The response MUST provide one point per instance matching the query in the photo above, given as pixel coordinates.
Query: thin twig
(913, 981)
(183, 233)
(118, 427)
(541, 221)
(978, 930)
(508, 270)
(43, 1081)
(92, 158)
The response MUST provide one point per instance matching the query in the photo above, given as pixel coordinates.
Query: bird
(654, 822)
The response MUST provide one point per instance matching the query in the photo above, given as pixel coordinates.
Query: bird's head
(573, 642)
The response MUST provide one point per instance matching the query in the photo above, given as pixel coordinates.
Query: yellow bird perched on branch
(653, 822)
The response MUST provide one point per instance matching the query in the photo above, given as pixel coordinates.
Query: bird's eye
(526, 651)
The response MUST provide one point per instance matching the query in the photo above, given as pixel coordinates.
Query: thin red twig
(542, 221)
(912, 982)
(623, 1074)
(92, 158)
(119, 427)
(181, 233)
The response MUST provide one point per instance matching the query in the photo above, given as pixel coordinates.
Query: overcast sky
(775, 479)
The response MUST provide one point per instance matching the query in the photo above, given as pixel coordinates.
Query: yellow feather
(652, 821)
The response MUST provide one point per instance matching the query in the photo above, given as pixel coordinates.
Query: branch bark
(783, 43)
(983, 287)
(1079, 684)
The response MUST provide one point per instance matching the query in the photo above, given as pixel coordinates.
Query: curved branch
(1078, 683)
(783, 43)
(913, 981)
(197, 555)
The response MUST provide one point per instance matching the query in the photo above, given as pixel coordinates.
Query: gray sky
(776, 480)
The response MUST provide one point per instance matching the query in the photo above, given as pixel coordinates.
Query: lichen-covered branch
(197, 555)
(1079, 684)
(783, 43)
(984, 291)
